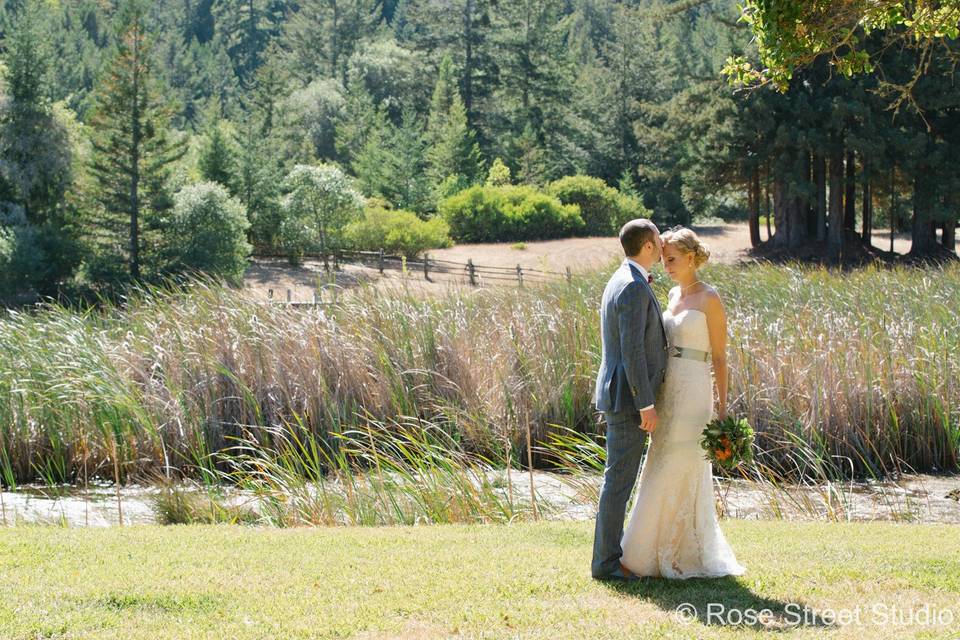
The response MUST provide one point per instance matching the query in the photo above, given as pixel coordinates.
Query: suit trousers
(626, 443)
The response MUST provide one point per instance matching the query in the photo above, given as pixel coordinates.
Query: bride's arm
(717, 326)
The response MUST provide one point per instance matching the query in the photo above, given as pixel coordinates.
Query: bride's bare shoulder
(711, 299)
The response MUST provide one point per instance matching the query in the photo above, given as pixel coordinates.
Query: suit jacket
(634, 344)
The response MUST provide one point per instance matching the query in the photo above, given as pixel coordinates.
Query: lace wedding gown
(673, 530)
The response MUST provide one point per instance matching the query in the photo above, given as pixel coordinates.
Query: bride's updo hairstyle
(686, 241)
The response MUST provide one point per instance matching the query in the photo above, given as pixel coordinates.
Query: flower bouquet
(728, 442)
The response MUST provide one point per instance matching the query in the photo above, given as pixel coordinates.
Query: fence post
(519, 275)
(426, 267)
(380, 261)
(336, 262)
(269, 294)
(569, 275)
(472, 271)
(316, 298)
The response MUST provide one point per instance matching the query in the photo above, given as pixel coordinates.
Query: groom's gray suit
(634, 359)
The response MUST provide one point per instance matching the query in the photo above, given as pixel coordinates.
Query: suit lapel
(639, 277)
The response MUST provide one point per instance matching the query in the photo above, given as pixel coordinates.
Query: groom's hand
(648, 419)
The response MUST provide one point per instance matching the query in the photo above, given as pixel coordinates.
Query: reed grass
(843, 374)
(408, 472)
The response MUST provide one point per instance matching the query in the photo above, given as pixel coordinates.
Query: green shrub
(397, 232)
(35, 260)
(320, 201)
(207, 231)
(499, 174)
(603, 209)
(508, 213)
(20, 259)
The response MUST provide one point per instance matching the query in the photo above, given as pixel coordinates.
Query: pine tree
(462, 29)
(36, 164)
(452, 149)
(132, 150)
(534, 96)
(267, 89)
(499, 174)
(256, 182)
(407, 184)
(322, 34)
(35, 148)
(360, 121)
(217, 161)
(392, 164)
(247, 27)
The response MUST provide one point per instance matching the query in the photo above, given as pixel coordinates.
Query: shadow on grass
(721, 601)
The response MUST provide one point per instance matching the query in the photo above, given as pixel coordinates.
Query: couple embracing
(655, 378)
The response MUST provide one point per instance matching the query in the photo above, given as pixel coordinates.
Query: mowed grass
(528, 580)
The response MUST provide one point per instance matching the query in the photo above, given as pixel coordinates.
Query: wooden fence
(476, 275)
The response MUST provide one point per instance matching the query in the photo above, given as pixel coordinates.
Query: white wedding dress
(673, 530)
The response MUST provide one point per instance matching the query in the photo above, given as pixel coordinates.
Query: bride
(673, 530)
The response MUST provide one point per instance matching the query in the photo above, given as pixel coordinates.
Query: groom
(631, 371)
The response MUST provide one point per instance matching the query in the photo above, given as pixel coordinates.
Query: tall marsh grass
(857, 371)
(406, 472)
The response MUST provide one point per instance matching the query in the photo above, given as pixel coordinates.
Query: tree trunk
(779, 213)
(790, 216)
(867, 209)
(134, 169)
(468, 62)
(949, 239)
(924, 232)
(820, 179)
(809, 204)
(835, 230)
(768, 203)
(850, 199)
(894, 208)
(754, 198)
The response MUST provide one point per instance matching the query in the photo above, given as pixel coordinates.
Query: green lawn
(524, 580)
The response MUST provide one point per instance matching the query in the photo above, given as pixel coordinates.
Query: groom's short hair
(635, 234)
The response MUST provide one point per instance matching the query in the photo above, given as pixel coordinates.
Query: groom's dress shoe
(627, 574)
(622, 574)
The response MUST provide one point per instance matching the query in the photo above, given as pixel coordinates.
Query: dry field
(729, 244)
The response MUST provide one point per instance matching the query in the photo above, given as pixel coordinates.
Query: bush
(397, 232)
(20, 259)
(508, 213)
(320, 202)
(499, 175)
(603, 209)
(207, 232)
(34, 259)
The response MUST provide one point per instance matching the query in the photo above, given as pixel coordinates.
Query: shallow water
(916, 498)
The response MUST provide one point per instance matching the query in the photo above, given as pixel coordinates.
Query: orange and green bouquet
(728, 442)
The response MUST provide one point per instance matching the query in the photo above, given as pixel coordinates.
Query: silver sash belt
(692, 354)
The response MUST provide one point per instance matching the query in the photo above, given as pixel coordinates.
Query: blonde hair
(686, 241)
